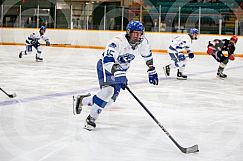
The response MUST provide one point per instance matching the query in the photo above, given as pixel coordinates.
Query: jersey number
(110, 52)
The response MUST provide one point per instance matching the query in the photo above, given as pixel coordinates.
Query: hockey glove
(232, 57)
(191, 55)
(120, 79)
(181, 57)
(48, 43)
(153, 76)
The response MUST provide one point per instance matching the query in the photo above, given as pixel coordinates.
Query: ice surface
(38, 125)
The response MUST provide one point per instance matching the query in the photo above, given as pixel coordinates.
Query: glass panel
(228, 26)
(150, 16)
(113, 17)
(63, 14)
(90, 14)
(170, 18)
(77, 19)
(97, 14)
(29, 14)
(1, 14)
(134, 13)
(46, 13)
(210, 21)
(10, 15)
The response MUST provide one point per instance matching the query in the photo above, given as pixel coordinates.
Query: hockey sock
(100, 101)
(220, 69)
(181, 69)
(222, 66)
(38, 55)
(95, 111)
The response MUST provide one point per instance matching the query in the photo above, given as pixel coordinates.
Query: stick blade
(12, 95)
(192, 149)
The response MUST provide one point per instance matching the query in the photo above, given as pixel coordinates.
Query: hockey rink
(39, 125)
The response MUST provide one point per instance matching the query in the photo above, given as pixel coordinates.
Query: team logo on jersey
(126, 58)
(112, 45)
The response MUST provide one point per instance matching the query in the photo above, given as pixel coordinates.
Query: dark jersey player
(216, 49)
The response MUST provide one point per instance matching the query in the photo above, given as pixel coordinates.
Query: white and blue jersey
(119, 51)
(179, 44)
(33, 41)
(176, 48)
(34, 38)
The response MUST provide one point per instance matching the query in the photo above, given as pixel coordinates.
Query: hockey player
(216, 48)
(175, 51)
(33, 41)
(112, 68)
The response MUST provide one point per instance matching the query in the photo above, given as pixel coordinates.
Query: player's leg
(168, 67)
(181, 67)
(86, 99)
(219, 56)
(106, 96)
(100, 101)
(221, 68)
(38, 54)
(179, 62)
(27, 51)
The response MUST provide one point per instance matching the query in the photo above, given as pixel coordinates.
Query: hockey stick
(9, 95)
(192, 149)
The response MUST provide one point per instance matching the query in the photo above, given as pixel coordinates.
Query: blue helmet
(193, 31)
(135, 26)
(43, 28)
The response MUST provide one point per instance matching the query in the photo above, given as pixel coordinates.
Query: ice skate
(21, 54)
(221, 75)
(38, 59)
(90, 123)
(167, 70)
(77, 103)
(180, 76)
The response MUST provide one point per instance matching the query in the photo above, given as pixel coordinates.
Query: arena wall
(98, 39)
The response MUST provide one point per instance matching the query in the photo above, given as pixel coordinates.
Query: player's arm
(147, 55)
(189, 52)
(109, 56)
(231, 50)
(109, 61)
(188, 49)
(46, 39)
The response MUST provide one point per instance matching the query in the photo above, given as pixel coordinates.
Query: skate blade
(181, 78)
(220, 77)
(88, 127)
(38, 60)
(74, 103)
(165, 72)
